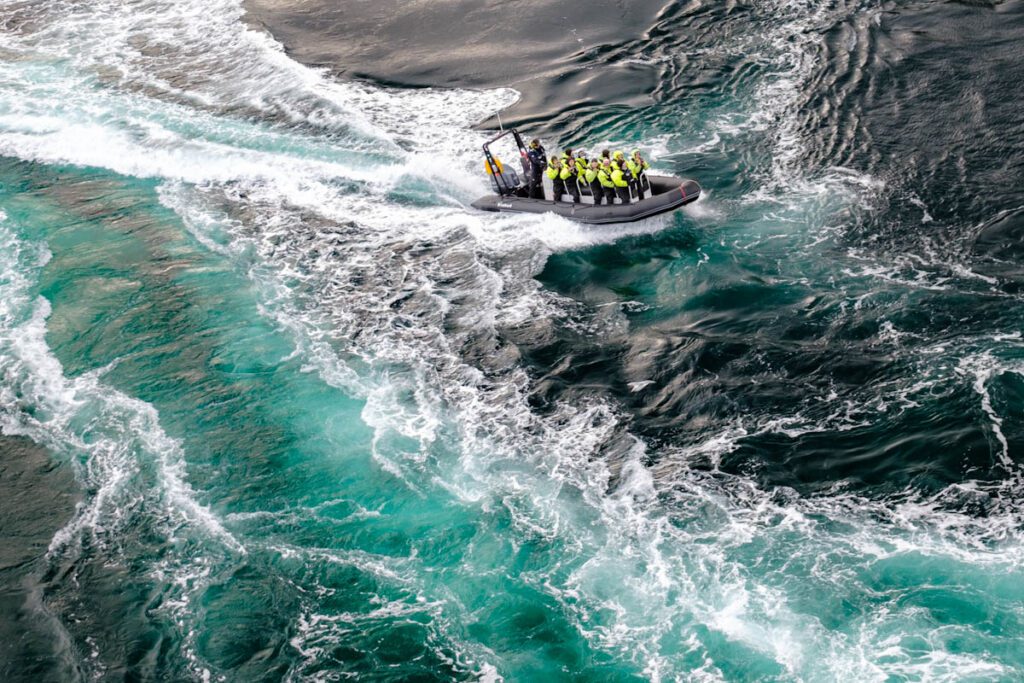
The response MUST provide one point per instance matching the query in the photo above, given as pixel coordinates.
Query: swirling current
(277, 404)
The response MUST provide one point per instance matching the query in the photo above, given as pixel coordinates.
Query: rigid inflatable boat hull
(667, 194)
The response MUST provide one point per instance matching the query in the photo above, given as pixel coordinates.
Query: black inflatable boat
(665, 193)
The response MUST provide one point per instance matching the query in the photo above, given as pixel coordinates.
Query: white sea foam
(128, 465)
(982, 368)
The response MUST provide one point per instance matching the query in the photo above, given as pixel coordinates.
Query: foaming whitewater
(133, 471)
(326, 197)
(82, 416)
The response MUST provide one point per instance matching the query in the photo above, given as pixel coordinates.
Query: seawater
(328, 422)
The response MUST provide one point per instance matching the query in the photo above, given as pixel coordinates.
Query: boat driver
(538, 162)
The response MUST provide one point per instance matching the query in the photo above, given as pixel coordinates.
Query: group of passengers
(606, 177)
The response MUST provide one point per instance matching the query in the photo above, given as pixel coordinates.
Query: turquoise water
(329, 423)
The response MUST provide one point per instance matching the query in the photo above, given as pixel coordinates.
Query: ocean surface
(277, 405)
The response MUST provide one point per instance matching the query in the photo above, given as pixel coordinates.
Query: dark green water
(276, 405)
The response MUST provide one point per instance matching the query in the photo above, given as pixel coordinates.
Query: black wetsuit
(624, 192)
(557, 188)
(638, 180)
(572, 188)
(638, 186)
(538, 162)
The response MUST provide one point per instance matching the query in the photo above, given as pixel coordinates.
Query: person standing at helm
(536, 155)
(638, 166)
(555, 173)
(590, 177)
(604, 176)
(568, 178)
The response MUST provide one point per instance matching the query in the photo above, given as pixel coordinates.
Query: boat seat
(509, 180)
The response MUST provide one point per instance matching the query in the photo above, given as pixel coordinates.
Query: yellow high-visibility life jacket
(635, 168)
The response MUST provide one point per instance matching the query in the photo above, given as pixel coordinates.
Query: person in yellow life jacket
(568, 178)
(621, 183)
(581, 170)
(638, 166)
(581, 164)
(590, 178)
(604, 176)
(619, 161)
(554, 172)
